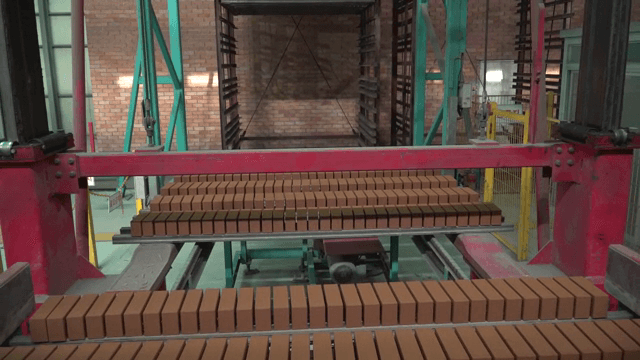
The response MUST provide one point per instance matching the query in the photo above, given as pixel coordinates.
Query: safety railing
(513, 189)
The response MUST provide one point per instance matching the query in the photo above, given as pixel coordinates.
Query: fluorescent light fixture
(494, 76)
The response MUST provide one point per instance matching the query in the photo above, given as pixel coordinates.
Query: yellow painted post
(93, 250)
(550, 103)
(138, 206)
(526, 196)
(490, 173)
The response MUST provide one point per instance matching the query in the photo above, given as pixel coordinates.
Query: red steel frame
(37, 223)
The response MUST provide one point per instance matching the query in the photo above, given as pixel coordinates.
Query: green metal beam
(456, 11)
(433, 76)
(165, 52)
(175, 36)
(434, 127)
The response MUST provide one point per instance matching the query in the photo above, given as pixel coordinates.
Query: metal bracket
(567, 162)
(62, 170)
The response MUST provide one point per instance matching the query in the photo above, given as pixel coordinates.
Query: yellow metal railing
(512, 189)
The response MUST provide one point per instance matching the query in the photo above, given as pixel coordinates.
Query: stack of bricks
(602, 339)
(255, 203)
(156, 313)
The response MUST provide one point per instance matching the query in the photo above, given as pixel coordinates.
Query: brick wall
(313, 91)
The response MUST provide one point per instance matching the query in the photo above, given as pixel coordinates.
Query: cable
(272, 75)
(325, 78)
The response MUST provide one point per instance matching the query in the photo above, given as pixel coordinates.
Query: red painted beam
(396, 158)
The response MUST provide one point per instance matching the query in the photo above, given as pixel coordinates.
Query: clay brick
(428, 216)
(560, 343)
(443, 197)
(227, 310)
(114, 317)
(358, 218)
(394, 217)
(453, 197)
(189, 312)
(429, 344)
(631, 348)
(325, 219)
(416, 217)
(412, 196)
(281, 308)
(320, 200)
(279, 347)
(314, 220)
(365, 346)
(76, 317)
(258, 348)
(184, 227)
(317, 314)
(56, 324)
(132, 316)
(382, 218)
(171, 350)
(495, 302)
(388, 304)
(442, 302)
(599, 299)
(165, 203)
(136, 224)
(231, 221)
(83, 352)
(387, 345)
(322, 349)
(343, 344)
(494, 343)
(336, 219)
(170, 314)
(582, 308)
(244, 309)
(405, 217)
(478, 303)
(236, 349)
(159, 224)
(335, 307)
(195, 223)
(530, 301)
(207, 315)
(513, 301)
(372, 199)
(587, 350)
(432, 196)
(472, 343)
(351, 198)
(370, 217)
(95, 316)
(352, 305)
(406, 303)
(451, 215)
(262, 308)
(248, 201)
(596, 336)
(460, 303)
(548, 301)
(402, 197)
(299, 307)
(147, 224)
(451, 344)
(370, 304)
(219, 222)
(517, 343)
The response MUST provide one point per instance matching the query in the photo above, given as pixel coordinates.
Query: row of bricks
(294, 200)
(285, 186)
(586, 340)
(317, 219)
(315, 306)
(305, 175)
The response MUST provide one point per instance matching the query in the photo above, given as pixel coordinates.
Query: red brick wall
(298, 101)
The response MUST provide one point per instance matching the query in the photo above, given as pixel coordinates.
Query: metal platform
(128, 239)
(295, 7)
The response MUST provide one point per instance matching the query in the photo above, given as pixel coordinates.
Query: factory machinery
(134, 317)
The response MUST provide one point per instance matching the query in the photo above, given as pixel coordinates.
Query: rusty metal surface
(623, 276)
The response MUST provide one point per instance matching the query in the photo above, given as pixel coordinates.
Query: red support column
(37, 227)
(591, 214)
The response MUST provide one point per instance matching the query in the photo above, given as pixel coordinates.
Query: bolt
(58, 174)
(570, 162)
(13, 151)
(71, 161)
(72, 174)
(558, 163)
(559, 150)
(56, 161)
(572, 150)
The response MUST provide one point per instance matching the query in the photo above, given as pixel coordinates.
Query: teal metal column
(145, 28)
(419, 83)
(395, 250)
(456, 35)
(228, 265)
(456, 46)
(175, 36)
